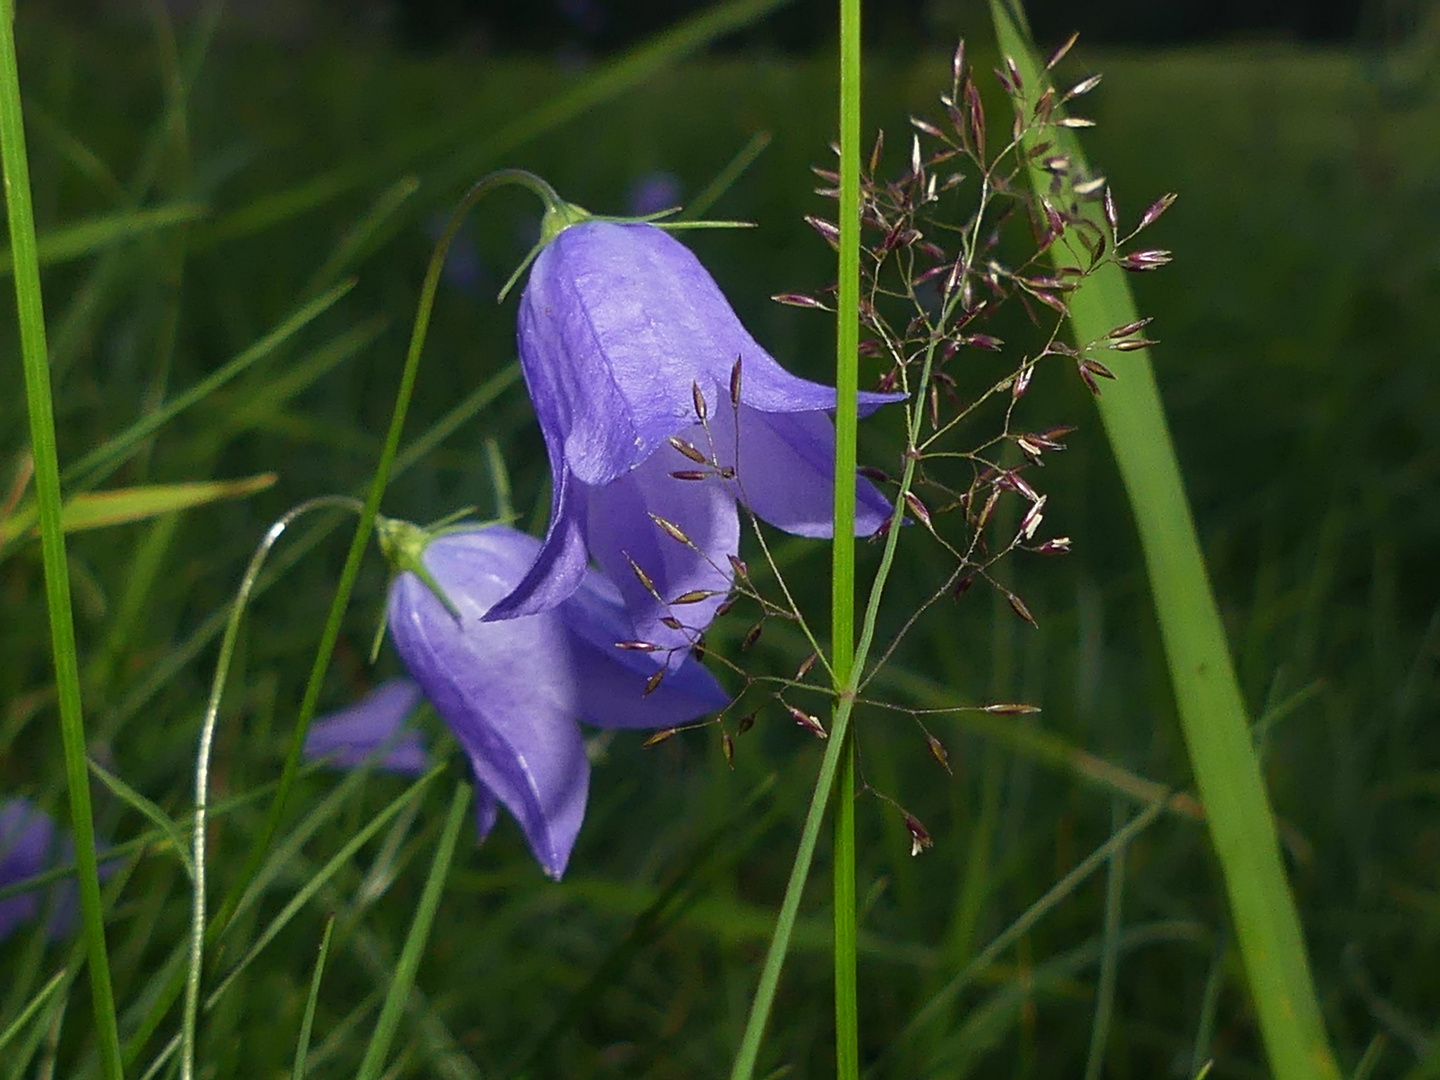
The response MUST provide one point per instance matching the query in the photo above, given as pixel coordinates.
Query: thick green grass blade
(35, 357)
(1212, 711)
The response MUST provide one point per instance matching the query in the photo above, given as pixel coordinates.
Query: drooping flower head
(512, 692)
(655, 402)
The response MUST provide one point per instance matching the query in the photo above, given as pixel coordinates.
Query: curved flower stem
(202, 763)
(842, 572)
(331, 633)
(35, 358)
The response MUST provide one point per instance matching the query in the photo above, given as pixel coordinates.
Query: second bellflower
(655, 402)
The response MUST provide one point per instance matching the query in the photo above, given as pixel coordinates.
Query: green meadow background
(194, 195)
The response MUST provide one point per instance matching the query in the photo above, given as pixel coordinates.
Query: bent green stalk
(35, 357)
(1212, 710)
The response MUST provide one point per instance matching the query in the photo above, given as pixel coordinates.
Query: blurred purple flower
(351, 737)
(512, 692)
(651, 193)
(31, 844)
(624, 339)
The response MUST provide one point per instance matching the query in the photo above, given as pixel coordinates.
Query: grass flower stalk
(842, 580)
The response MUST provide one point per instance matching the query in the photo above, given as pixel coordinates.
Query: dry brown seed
(672, 622)
(735, 384)
(1058, 546)
(1112, 215)
(658, 738)
(1084, 86)
(1134, 344)
(829, 230)
(974, 118)
(694, 596)
(1075, 122)
(1020, 609)
(957, 62)
(1010, 708)
(1151, 259)
(690, 450)
(937, 750)
(1158, 207)
(920, 838)
(918, 508)
(927, 127)
(724, 608)
(1022, 381)
(702, 411)
(1129, 328)
(746, 723)
(808, 722)
(637, 646)
(691, 474)
(654, 681)
(1032, 519)
(644, 578)
(1064, 48)
(963, 585)
(727, 745)
(1097, 368)
(670, 529)
(738, 565)
(751, 636)
(799, 300)
(870, 472)
(805, 666)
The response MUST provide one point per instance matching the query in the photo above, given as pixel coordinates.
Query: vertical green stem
(842, 580)
(1212, 711)
(35, 356)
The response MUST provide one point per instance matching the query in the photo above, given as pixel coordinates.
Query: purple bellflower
(512, 692)
(372, 731)
(655, 402)
(31, 844)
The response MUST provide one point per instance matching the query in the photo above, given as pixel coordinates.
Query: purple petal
(786, 471)
(621, 532)
(27, 836)
(351, 737)
(560, 562)
(512, 691)
(617, 324)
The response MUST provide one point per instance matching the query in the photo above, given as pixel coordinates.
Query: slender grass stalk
(197, 865)
(302, 1044)
(1212, 711)
(842, 566)
(399, 990)
(35, 357)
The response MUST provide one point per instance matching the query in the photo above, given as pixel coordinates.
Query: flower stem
(842, 599)
(35, 358)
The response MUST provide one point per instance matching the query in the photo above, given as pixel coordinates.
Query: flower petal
(26, 838)
(352, 737)
(786, 471)
(618, 323)
(560, 562)
(506, 690)
(623, 535)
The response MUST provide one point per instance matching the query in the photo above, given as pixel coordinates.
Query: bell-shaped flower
(656, 403)
(372, 731)
(512, 692)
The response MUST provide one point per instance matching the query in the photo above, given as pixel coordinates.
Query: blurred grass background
(1297, 360)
